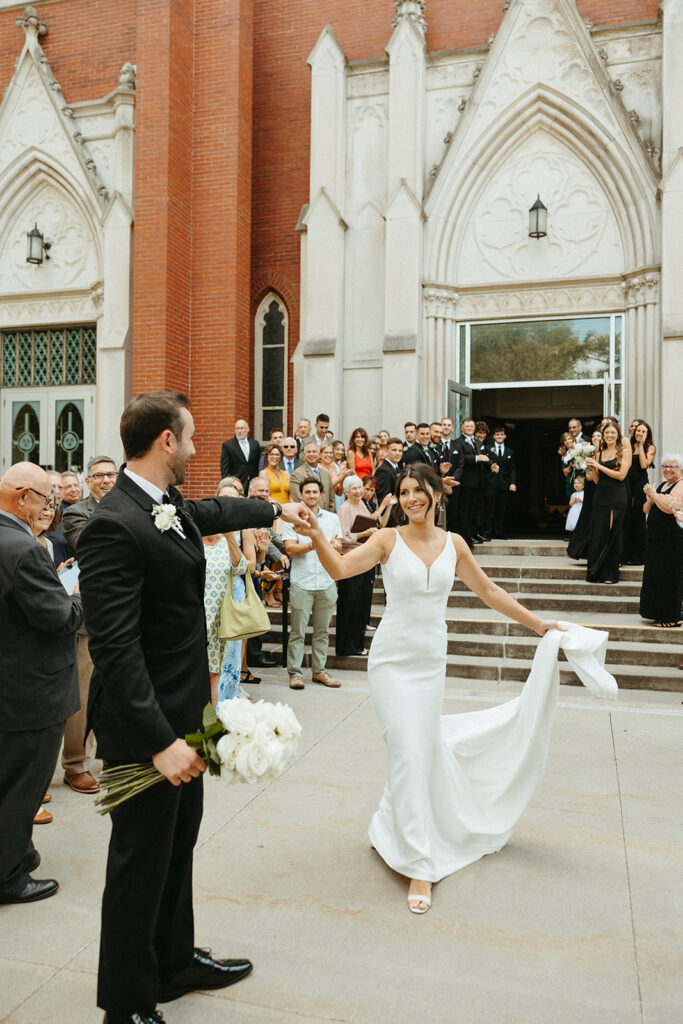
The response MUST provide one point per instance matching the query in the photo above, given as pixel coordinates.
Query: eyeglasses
(46, 498)
(669, 465)
(105, 476)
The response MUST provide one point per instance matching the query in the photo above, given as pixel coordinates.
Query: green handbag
(240, 620)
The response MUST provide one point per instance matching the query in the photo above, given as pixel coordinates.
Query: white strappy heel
(416, 899)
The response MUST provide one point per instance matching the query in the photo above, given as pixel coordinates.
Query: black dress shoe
(203, 972)
(262, 660)
(155, 1017)
(35, 863)
(35, 889)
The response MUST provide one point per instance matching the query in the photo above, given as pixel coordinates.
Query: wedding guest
(322, 429)
(481, 432)
(575, 505)
(73, 491)
(373, 448)
(277, 436)
(632, 426)
(575, 430)
(311, 467)
(435, 434)
(302, 434)
(569, 470)
(143, 593)
(264, 550)
(446, 429)
(381, 453)
(643, 455)
(290, 457)
(580, 538)
(327, 462)
(311, 591)
(410, 433)
(61, 548)
(473, 455)
(383, 437)
(451, 467)
(224, 557)
(100, 480)
(240, 454)
(387, 475)
(422, 450)
(661, 594)
(38, 683)
(358, 457)
(354, 601)
(274, 474)
(500, 483)
(609, 469)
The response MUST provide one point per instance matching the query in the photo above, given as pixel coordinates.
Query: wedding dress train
(457, 784)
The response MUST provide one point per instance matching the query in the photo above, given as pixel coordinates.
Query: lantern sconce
(538, 219)
(37, 248)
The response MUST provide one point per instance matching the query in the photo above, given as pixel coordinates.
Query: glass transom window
(49, 356)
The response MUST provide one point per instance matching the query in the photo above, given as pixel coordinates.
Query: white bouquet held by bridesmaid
(577, 455)
(240, 742)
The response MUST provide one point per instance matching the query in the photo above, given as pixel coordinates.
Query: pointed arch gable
(627, 181)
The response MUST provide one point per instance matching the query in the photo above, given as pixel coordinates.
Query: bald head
(24, 491)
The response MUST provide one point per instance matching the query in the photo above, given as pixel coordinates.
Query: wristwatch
(277, 508)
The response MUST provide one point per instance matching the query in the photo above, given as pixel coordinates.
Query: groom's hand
(295, 512)
(179, 763)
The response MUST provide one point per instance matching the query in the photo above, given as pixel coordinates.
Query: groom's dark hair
(148, 415)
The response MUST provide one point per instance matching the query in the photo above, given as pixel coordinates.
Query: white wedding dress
(456, 784)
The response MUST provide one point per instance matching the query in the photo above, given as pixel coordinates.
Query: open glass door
(459, 404)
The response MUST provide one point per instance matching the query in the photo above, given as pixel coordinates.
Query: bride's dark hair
(428, 481)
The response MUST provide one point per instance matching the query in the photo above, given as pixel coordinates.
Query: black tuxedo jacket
(386, 477)
(233, 462)
(416, 453)
(38, 678)
(143, 595)
(74, 519)
(470, 474)
(451, 453)
(508, 471)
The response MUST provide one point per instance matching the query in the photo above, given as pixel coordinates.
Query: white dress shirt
(306, 571)
(155, 493)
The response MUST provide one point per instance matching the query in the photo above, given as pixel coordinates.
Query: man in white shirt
(322, 429)
(311, 590)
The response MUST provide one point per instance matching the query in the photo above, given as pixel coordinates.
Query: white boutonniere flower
(164, 517)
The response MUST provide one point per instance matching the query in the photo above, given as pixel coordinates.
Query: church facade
(288, 209)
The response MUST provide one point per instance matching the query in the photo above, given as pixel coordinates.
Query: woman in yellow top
(278, 480)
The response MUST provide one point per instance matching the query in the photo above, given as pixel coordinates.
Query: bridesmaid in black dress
(578, 543)
(609, 504)
(643, 451)
(661, 595)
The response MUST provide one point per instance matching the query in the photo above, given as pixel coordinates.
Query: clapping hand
(495, 468)
(482, 458)
(444, 467)
(649, 491)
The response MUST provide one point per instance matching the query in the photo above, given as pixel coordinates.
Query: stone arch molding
(34, 191)
(621, 175)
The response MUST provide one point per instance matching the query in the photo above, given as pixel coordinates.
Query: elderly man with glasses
(100, 479)
(38, 684)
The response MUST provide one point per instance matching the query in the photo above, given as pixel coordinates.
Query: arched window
(271, 331)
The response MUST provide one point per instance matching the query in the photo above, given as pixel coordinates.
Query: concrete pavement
(578, 919)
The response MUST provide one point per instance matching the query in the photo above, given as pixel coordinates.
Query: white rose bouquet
(577, 455)
(240, 742)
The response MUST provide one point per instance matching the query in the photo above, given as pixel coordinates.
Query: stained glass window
(49, 356)
(271, 363)
(9, 360)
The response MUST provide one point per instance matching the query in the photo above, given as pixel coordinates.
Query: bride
(455, 785)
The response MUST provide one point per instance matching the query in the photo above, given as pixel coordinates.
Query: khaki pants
(302, 602)
(74, 753)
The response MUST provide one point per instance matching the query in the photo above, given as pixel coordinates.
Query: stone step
(521, 587)
(538, 571)
(516, 648)
(522, 548)
(555, 601)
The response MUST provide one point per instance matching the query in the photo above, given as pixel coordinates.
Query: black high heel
(247, 677)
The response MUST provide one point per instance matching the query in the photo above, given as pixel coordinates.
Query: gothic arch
(627, 180)
(271, 361)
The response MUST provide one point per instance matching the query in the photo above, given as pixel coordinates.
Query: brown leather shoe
(83, 783)
(325, 678)
(43, 817)
(296, 683)
(46, 799)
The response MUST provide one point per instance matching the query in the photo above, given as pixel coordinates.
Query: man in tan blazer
(310, 467)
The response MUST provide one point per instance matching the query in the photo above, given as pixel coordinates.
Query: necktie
(499, 450)
(289, 464)
(244, 445)
(470, 441)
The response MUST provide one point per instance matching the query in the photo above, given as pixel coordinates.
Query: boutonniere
(164, 517)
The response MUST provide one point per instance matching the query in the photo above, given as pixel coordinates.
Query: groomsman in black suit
(473, 455)
(500, 483)
(422, 450)
(410, 432)
(38, 678)
(387, 472)
(451, 455)
(142, 580)
(240, 455)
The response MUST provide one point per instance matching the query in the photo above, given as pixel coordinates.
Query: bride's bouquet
(577, 455)
(240, 742)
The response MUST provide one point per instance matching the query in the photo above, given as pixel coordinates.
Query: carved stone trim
(641, 290)
(67, 307)
(319, 346)
(441, 304)
(399, 343)
(127, 76)
(413, 10)
(549, 300)
(31, 23)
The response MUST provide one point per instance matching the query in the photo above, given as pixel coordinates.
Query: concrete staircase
(484, 645)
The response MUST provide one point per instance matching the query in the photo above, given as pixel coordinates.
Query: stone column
(438, 363)
(642, 376)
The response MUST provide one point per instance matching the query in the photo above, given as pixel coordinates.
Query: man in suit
(421, 450)
(500, 483)
(309, 468)
(302, 434)
(143, 593)
(387, 472)
(452, 466)
(38, 682)
(575, 428)
(322, 429)
(473, 454)
(60, 549)
(410, 433)
(100, 479)
(291, 460)
(240, 455)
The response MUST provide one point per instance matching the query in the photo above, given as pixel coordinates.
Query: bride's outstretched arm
(353, 563)
(494, 596)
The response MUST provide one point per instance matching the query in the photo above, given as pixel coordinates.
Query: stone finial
(634, 117)
(127, 76)
(413, 10)
(31, 23)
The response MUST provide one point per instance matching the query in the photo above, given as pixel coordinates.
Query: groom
(143, 594)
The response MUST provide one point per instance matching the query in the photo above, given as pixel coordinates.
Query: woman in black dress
(661, 594)
(578, 543)
(643, 451)
(609, 471)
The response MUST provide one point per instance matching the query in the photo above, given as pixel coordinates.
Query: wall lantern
(36, 246)
(538, 219)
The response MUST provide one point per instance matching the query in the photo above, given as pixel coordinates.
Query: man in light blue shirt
(312, 590)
